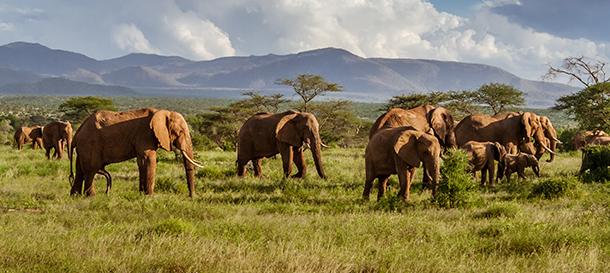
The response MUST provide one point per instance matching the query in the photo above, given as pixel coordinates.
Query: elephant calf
(481, 156)
(399, 151)
(517, 163)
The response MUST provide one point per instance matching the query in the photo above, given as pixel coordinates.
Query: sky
(521, 36)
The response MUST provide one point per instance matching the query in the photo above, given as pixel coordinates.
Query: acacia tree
(498, 96)
(309, 86)
(590, 106)
(77, 108)
(460, 103)
(585, 70)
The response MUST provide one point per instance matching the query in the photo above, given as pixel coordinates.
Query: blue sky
(521, 36)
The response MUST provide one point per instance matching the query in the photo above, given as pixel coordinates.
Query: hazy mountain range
(29, 68)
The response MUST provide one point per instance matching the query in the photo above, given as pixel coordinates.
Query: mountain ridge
(369, 79)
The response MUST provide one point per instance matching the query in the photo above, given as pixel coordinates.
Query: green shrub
(457, 187)
(595, 166)
(554, 187)
(566, 136)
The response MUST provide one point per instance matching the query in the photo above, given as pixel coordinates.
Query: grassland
(288, 225)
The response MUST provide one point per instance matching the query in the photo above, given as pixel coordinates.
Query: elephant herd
(400, 140)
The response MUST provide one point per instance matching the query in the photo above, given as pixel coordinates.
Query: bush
(457, 187)
(595, 166)
(566, 136)
(554, 187)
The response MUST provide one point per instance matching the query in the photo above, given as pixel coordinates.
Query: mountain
(365, 79)
(9, 76)
(65, 87)
(140, 76)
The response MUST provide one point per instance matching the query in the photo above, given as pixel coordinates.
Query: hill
(364, 79)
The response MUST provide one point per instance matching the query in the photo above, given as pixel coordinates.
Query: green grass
(289, 225)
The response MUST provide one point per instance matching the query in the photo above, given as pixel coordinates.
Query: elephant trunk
(189, 169)
(553, 146)
(433, 172)
(316, 144)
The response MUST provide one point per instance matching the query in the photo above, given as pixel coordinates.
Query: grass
(289, 225)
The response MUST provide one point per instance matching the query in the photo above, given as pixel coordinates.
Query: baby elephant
(399, 151)
(517, 163)
(481, 156)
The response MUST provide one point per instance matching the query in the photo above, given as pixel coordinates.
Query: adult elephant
(25, 135)
(56, 135)
(399, 151)
(265, 135)
(107, 137)
(425, 118)
(600, 140)
(551, 134)
(511, 131)
(584, 138)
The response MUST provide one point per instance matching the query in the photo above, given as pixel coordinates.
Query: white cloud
(130, 38)
(6, 27)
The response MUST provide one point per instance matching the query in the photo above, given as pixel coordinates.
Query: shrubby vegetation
(595, 166)
(457, 187)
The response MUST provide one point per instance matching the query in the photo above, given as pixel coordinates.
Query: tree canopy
(590, 106)
(498, 97)
(309, 86)
(77, 108)
(585, 70)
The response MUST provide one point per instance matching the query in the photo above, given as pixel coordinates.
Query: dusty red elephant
(107, 137)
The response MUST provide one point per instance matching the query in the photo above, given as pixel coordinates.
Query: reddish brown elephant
(25, 135)
(509, 130)
(585, 138)
(399, 151)
(482, 157)
(107, 137)
(56, 135)
(265, 135)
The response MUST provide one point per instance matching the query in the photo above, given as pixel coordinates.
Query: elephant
(25, 135)
(536, 148)
(551, 134)
(584, 138)
(481, 156)
(517, 163)
(512, 130)
(107, 137)
(600, 140)
(57, 135)
(399, 151)
(267, 134)
(426, 118)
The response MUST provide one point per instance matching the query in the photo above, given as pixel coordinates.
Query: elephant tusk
(191, 160)
(323, 145)
(557, 140)
(546, 148)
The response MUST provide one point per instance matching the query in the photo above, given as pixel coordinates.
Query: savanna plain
(290, 225)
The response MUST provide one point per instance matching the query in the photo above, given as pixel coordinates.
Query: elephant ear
(442, 122)
(159, 123)
(527, 121)
(407, 150)
(286, 130)
(498, 151)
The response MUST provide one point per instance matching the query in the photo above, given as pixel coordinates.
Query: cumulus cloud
(376, 28)
(6, 26)
(130, 38)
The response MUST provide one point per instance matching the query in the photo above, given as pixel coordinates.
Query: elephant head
(171, 130)
(551, 134)
(442, 123)
(532, 128)
(532, 161)
(296, 129)
(413, 150)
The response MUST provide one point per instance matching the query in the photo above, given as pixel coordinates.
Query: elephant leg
(299, 161)
(491, 170)
(150, 169)
(404, 179)
(257, 165)
(241, 167)
(39, 143)
(483, 176)
(58, 150)
(286, 153)
(47, 152)
(89, 186)
(368, 185)
(142, 174)
(77, 185)
(382, 186)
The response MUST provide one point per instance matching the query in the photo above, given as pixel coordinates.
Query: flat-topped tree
(308, 86)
